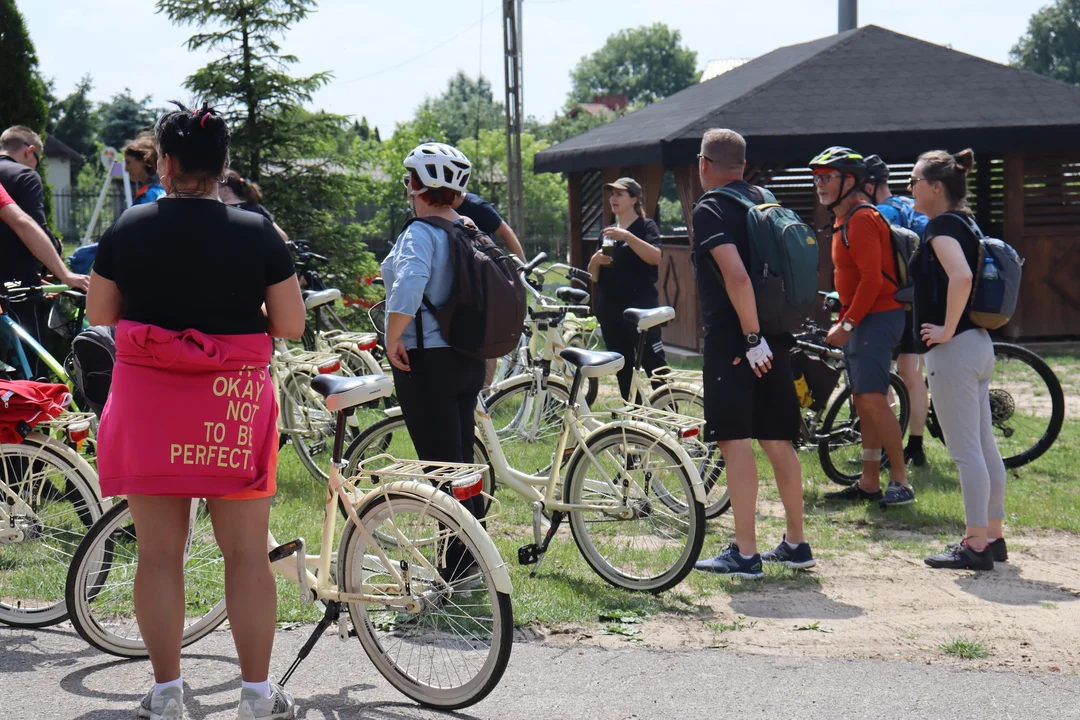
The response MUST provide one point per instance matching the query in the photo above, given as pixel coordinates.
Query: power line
(414, 58)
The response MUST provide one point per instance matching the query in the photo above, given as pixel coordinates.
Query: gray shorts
(869, 352)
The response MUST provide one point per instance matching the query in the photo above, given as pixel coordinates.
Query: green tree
(1051, 45)
(465, 108)
(74, 120)
(249, 81)
(645, 64)
(123, 118)
(22, 91)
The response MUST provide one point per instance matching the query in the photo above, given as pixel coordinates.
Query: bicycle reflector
(77, 432)
(330, 366)
(369, 344)
(690, 432)
(468, 487)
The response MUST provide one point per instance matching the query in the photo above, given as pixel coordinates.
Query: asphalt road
(52, 674)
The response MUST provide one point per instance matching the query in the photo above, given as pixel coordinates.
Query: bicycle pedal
(529, 554)
(286, 550)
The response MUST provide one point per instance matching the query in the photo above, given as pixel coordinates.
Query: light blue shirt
(419, 265)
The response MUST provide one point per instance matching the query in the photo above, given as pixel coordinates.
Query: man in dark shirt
(20, 156)
(488, 221)
(749, 389)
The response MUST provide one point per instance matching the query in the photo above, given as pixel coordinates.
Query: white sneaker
(166, 705)
(279, 706)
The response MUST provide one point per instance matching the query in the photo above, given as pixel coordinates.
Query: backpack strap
(450, 228)
(851, 214)
(969, 223)
(767, 200)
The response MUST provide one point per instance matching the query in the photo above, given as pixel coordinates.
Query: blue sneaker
(897, 494)
(731, 562)
(797, 558)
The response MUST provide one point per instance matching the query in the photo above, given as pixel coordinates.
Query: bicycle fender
(79, 463)
(393, 411)
(662, 437)
(499, 574)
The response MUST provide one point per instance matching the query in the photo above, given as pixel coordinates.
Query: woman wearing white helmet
(436, 385)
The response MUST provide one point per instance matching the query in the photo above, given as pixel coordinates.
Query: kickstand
(556, 521)
(333, 611)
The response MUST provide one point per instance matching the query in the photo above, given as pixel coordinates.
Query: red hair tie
(202, 123)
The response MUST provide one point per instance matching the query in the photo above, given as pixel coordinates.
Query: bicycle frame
(16, 336)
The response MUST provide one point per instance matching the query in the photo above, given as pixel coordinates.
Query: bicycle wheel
(840, 439)
(48, 502)
(453, 651)
(1027, 404)
(101, 584)
(651, 542)
(390, 437)
(529, 433)
(710, 462)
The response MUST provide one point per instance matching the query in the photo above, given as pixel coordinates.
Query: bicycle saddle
(645, 319)
(342, 393)
(591, 363)
(572, 296)
(313, 300)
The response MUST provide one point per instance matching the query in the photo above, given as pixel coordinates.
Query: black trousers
(622, 337)
(438, 400)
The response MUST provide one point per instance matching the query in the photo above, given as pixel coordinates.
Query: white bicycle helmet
(440, 166)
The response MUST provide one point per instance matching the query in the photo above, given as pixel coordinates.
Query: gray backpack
(995, 288)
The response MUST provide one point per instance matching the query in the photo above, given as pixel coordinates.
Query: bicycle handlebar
(528, 268)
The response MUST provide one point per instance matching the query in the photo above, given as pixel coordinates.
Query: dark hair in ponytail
(198, 139)
(951, 171)
(242, 187)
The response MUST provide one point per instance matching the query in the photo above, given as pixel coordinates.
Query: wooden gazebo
(879, 92)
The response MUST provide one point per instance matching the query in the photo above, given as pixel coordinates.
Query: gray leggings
(959, 372)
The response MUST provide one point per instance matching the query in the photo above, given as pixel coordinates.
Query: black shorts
(740, 406)
(907, 340)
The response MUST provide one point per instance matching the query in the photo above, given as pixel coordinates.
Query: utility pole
(515, 184)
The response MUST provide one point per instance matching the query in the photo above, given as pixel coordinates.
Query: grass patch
(736, 625)
(965, 649)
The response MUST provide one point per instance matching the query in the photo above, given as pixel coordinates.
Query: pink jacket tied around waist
(188, 415)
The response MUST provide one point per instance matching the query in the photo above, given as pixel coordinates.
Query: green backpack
(783, 261)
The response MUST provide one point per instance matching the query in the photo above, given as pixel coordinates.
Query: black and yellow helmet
(843, 160)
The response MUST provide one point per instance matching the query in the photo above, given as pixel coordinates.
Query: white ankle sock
(746, 557)
(263, 688)
(161, 687)
(791, 544)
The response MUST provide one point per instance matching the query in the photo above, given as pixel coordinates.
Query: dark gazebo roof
(870, 88)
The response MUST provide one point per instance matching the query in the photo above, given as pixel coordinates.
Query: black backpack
(93, 354)
(485, 313)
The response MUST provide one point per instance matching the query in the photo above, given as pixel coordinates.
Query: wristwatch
(753, 340)
(847, 326)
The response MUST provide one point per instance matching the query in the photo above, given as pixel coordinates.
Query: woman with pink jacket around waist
(196, 289)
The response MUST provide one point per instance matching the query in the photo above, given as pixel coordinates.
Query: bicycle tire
(578, 490)
(1057, 399)
(508, 418)
(95, 564)
(70, 514)
(852, 435)
(708, 457)
(377, 627)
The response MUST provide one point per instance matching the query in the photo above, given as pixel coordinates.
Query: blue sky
(381, 51)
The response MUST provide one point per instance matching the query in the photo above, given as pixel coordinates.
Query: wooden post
(577, 250)
(1014, 233)
(982, 193)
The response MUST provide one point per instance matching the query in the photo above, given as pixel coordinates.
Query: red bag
(24, 404)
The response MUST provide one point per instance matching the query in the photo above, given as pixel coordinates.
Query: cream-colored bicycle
(632, 494)
(425, 589)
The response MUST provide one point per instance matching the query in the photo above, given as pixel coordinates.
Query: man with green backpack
(756, 266)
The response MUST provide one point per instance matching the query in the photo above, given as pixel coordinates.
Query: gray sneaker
(166, 705)
(279, 706)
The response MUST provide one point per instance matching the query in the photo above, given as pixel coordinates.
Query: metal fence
(72, 210)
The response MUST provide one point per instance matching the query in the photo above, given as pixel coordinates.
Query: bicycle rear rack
(358, 340)
(310, 361)
(671, 375)
(682, 426)
(462, 480)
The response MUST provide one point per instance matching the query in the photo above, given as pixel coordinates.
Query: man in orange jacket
(871, 321)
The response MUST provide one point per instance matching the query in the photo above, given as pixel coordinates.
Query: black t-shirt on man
(24, 186)
(484, 214)
(185, 263)
(720, 221)
(931, 282)
(629, 280)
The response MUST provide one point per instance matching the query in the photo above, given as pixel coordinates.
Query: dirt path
(1026, 612)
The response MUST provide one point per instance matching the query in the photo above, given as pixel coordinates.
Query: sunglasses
(913, 181)
(825, 178)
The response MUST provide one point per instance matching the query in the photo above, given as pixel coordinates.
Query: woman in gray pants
(959, 355)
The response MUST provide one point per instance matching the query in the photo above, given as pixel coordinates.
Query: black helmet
(876, 170)
(844, 160)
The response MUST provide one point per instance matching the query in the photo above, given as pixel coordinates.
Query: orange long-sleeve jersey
(859, 269)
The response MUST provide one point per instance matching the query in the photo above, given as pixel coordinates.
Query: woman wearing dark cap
(624, 269)
(236, 190)
(193, 333)
(140, 161)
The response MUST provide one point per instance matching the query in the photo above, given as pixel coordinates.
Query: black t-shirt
(720, 221)
(483, 213)
(256, 208)
(629, 280)
(24, 186)
(183, 263)
(930, 280)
